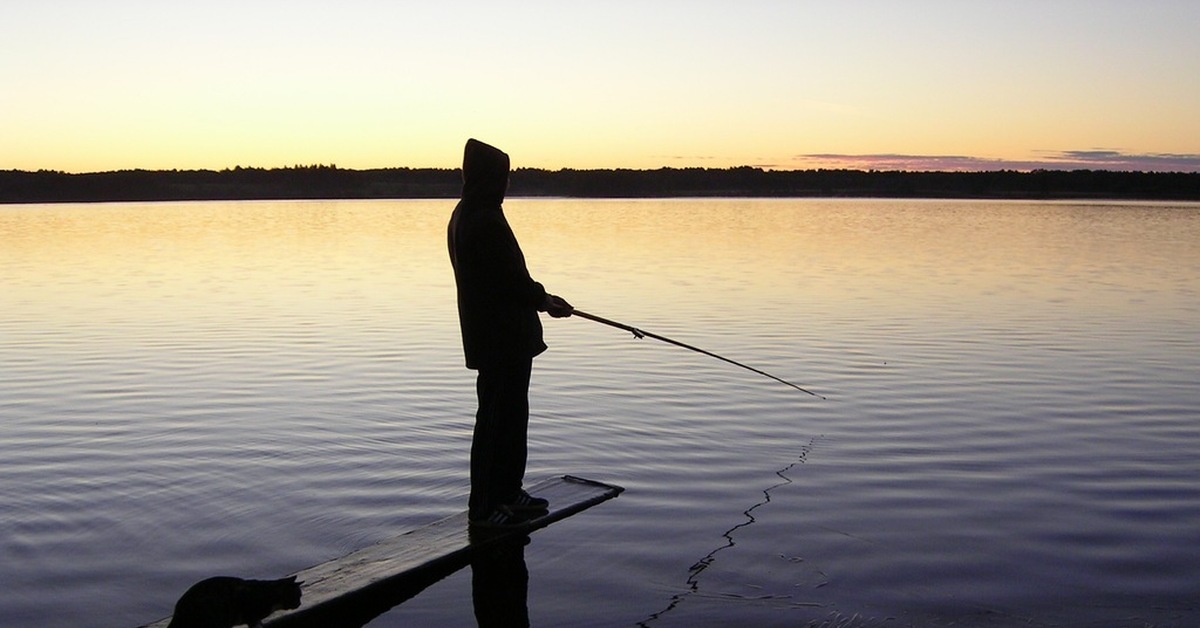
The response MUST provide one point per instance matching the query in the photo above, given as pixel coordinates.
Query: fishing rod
(638, 333)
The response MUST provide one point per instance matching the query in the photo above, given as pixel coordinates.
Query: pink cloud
(1051, 160)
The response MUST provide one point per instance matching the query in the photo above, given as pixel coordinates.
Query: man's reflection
(500, 584)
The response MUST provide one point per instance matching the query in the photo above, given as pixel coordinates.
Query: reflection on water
(254, 388)
(500, 585)
(728, 541)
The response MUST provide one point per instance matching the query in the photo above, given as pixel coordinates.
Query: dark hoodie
(498, 301)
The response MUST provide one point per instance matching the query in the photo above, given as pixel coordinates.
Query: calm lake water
(1011, 435)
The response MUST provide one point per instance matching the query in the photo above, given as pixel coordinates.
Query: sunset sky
(918, 85)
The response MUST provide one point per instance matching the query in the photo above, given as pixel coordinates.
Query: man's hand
(557, 306)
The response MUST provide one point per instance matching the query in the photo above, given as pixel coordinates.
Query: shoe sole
(529, 509)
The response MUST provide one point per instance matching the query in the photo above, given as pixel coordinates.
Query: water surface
(1011, 434)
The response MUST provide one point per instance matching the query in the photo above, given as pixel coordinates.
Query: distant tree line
(297, 182)
(331, 182)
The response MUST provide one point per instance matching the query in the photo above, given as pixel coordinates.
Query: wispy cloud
(1116, 160)
(1047, 160)
(688, 158)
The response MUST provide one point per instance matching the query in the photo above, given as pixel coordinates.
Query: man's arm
(556, 306)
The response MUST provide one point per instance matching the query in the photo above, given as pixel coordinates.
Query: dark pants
(498, 447)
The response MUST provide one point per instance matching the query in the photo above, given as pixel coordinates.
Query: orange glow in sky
(915, 85)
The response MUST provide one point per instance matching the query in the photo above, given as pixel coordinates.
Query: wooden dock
(353, 589)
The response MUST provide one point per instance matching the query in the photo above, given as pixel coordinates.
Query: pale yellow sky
(88, 86)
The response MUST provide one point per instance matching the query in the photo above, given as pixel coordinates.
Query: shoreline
(333, 183)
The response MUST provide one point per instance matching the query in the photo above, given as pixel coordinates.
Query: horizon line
(896, 164)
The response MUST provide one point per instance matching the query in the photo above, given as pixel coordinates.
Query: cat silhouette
(225, 602)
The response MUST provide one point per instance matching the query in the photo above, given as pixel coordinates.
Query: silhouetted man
(498, 305)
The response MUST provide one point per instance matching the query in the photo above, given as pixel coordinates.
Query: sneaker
(500, 517)
(525, 502)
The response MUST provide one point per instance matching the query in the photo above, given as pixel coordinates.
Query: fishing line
(697, 568)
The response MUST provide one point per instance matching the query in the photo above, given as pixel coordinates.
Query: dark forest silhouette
(331, 182)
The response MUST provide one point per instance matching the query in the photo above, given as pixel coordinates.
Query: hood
(485, 173)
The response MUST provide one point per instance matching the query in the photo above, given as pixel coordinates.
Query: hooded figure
(498, 305)
(498, 302)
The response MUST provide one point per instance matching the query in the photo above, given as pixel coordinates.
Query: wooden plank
(362, 585)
